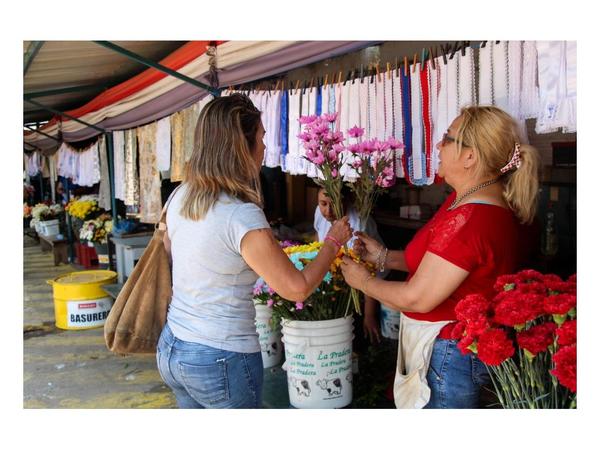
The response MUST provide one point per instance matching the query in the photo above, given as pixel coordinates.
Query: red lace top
(479, 238)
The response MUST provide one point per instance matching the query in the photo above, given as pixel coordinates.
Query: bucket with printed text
(389, 322)
(79, 300)
(318, 361)
(271, 347)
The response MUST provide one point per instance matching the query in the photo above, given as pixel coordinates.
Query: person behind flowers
(324, 217)
(220, 242)
(472, 239)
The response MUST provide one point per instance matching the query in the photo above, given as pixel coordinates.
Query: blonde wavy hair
(221, 161)
(493, 135)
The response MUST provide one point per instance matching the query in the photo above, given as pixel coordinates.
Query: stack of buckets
(79, 300)
(318, 361)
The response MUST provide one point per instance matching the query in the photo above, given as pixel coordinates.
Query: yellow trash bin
(79, 301)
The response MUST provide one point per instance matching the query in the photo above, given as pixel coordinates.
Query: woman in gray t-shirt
(220, 242)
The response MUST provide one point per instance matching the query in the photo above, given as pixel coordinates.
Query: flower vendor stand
(269, 339)
(318, 361)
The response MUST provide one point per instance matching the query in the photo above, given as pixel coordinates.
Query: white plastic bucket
(389, 322)
(318, 361)
(271, 347)
(49, 227)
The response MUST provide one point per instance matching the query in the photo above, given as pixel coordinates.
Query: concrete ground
(73, 368)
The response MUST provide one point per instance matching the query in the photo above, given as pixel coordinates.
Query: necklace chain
(470, 191)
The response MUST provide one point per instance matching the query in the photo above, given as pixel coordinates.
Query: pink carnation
(299, 305)
(306, 120)
(330, 117)
(356, 132)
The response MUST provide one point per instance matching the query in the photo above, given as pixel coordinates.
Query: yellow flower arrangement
(81, 208)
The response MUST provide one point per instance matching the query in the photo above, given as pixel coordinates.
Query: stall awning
(152, 95)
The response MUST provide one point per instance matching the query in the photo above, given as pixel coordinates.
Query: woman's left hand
(355, 274)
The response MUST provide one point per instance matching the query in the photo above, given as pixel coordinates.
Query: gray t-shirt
(212, 284)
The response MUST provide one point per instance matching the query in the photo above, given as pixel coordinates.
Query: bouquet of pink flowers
(527, 337)
(372, 160)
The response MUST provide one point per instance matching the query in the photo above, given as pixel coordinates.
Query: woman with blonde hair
(220, 242)
(471, 240)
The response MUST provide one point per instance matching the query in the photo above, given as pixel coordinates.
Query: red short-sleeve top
(480, 238)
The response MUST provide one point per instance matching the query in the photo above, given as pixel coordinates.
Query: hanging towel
(500, 75)
(363, 104)
(272, 123)
(485, 75)
(294, 143)
(372, 101)
(311, 94)
(530, 96)
(452, 77)
(557, 86)
(515, 69)
(177, 152)
(406, 117)
(338, 105)
(416, 162)
(332, 105)
(426, 117)
(150, 199)
(466, 79)
(190, 119)
(88, 172)
(104, 200)
(398, 121)
(319, 109)
(119, 164)
(131, 174)
(389, 105)
(380, 107)
(163, 144)
(283, 129)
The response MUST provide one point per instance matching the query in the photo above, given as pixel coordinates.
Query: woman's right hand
(340, 230)
(367, 247)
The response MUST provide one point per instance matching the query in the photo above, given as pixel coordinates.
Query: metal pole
(111, 175)
(32, 51)
(156, 66)
(69, 226)
(55, 111)
(66, 90)
(42, 133)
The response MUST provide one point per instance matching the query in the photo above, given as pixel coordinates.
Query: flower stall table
(127, 247)
(58, 247)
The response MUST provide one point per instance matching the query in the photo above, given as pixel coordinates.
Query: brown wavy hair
(493, 135)
(221, 161)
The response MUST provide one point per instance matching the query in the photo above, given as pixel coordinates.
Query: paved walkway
(73, 368)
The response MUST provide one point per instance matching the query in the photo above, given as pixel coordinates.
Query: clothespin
(431, 54)
(464, 48)
(414, 62)
(340, 77)
(405, 66)
(312, 80)
(389, 74)
(325, 82)
(424, 56)
(352, 77)
(483, 44)
(362, 75)
(377, 72)
(397, 74)
(297, 85)
(277, 85)
(443, 46)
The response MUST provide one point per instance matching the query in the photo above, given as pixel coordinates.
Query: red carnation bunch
(525, 365)
(567, 333)
(473, 311)
(494, 347)
(516, 309)
(565, 370)
(559, 304)
(537, 338)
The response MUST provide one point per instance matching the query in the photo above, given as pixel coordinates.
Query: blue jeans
(455, 379)
(206, 377)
